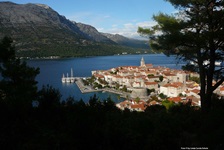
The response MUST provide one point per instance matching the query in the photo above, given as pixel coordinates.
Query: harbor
(68, 79)
(78, 82)
(54, 70)
(83, 88)
(88, 89)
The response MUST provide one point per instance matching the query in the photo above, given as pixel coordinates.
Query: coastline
(71, 57)
(88, 89)
(52, 70)
(83, 88)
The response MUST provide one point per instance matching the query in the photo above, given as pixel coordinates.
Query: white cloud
(128, 29)
(146, 24)
(108, 24)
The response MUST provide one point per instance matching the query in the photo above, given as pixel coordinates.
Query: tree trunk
(205, 104)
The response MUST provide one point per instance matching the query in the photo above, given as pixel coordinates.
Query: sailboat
(72, 79)
(63, 79)
(68, 79)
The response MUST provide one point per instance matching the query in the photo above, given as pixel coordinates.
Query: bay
(51, 70)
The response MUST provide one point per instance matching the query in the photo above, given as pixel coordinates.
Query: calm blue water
(51, 70)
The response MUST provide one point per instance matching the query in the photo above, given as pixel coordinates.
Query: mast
(63, 79)
(72, 79)
(71, 72)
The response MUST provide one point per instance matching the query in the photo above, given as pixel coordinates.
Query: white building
(172, 89)
(151, 85)
(181, 77)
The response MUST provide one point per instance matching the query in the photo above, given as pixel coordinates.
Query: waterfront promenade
(89, 89)
(85, 89)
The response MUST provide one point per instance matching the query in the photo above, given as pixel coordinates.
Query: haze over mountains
(39, 30)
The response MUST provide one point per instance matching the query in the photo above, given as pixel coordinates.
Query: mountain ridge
(122, 40)
(39, 29)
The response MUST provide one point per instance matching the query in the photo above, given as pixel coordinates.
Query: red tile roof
(195, 91)
(99, 76)
(153, 102)
(174, 84)
(175, 99)
(140, 106)
(222, 88)
(150, 83)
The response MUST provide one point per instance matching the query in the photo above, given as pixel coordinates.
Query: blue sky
(114, 16)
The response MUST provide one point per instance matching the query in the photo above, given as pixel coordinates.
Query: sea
(52, 70)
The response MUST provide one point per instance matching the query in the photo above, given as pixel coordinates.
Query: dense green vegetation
(52, 41)
(196, 79)
(40, 120)
(72, 50)
(47, 33)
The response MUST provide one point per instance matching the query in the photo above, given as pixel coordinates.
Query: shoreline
(88, 89)
(71, 57)
(85, 89)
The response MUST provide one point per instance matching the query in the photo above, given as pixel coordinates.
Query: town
(146, 85)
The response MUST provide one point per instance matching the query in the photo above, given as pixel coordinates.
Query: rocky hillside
(97, 36)
(37, 29)
(93, 34)
(121, 40)
(38, 24)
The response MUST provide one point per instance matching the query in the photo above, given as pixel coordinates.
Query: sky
(115, 16)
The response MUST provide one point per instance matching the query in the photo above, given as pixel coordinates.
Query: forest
(72, 50)
(39, 119)
(100, 125)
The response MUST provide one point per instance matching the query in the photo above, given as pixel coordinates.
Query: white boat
(68, 79)
(72, 79)
(63, 79)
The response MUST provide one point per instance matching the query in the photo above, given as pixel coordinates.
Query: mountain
(38, 30)
(121, 40)
(36, 24)
(93, 34)
(111, 38)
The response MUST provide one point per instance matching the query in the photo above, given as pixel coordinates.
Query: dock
(87, 89)
(83, 88)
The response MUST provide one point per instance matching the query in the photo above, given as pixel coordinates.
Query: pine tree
(17, 83)
(195, 34)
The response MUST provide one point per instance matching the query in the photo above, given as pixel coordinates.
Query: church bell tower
(142, 62)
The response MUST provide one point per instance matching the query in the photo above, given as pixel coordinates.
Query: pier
(87, 89)
(83, 88)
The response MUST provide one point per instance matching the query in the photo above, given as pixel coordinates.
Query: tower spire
(142, 62)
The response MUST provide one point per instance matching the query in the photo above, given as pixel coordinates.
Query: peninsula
(145, 85)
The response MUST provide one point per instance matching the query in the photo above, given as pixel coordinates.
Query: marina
(83, 88)
(82, 67)
(68, 79)
(88, 89)
(78, 82)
